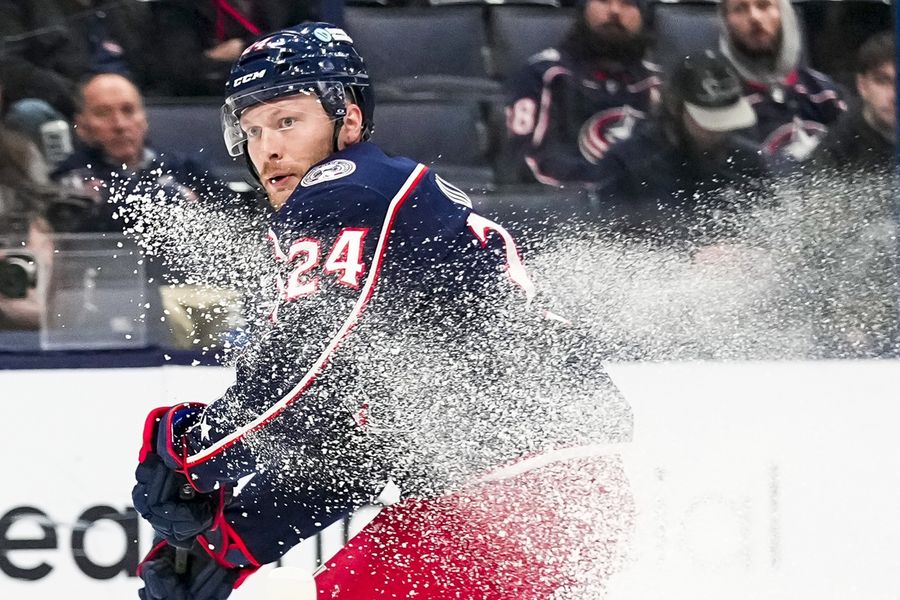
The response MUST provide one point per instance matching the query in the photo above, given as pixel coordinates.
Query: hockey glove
(159, 495)
(159, 498)
(205, 579)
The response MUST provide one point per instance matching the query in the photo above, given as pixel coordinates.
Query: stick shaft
(185, 493)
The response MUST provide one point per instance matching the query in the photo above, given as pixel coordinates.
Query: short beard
(760, 54)
(612, 43)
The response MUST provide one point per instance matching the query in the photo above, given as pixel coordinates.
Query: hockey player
(368, 249)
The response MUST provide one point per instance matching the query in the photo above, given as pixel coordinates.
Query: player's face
(613, 14)
(754, 25)
(113, 118)
(286, 137)
(877, 88)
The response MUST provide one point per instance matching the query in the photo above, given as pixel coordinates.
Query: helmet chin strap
(250, 166)
(338, 123)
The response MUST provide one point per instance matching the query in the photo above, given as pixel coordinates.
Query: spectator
(113, 161)
(571, 104)
(859, 308)
(865, 137)
(794, 105)
(48, 45)
(112, 127)
(23, 231)
(213, 33)
(674, 170)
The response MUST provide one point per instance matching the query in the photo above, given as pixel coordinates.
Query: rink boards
(752, 480)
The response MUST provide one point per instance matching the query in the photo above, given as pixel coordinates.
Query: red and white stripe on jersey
(480, 226)
(644, 84)
(540, 175)
(322, 361)
(543, 120)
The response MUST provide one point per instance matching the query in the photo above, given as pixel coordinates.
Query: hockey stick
(185, 493)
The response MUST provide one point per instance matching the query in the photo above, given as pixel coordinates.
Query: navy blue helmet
(313, 57)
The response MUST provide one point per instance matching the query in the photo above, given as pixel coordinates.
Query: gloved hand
(204, 579)
(158, 495)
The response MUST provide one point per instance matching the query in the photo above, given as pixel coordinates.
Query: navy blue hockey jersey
(793, 117)
(563, 116)
(366, 242)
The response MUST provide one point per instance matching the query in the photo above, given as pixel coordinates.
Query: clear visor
(330, 93)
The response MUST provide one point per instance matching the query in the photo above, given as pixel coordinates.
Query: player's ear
(351, 131)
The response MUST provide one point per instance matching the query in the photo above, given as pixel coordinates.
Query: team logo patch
(795, 140)
(606, 128)
(339, 35)
(330, 171)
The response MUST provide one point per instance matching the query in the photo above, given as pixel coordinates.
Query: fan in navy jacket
(794, 104)
(362, 244)
(570, 104)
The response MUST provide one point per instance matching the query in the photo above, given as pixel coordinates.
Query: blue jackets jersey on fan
(794, 115)
(563, 115)
(794, 104)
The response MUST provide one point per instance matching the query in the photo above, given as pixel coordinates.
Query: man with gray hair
(794, 104)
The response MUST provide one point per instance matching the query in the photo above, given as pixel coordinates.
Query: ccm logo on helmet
(248, 77)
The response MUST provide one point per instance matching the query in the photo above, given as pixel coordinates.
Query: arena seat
(426, 53)
(450, 136)
(535, 213)
(682, 29)
(519, 32)
(193, 127)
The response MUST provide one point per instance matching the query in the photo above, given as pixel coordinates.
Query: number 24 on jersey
(343, 262)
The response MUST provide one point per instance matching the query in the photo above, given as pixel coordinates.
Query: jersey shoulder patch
(452, 192)
(333, 169)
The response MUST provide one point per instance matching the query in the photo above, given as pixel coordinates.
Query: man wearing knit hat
(794, 105)
(571, 103)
